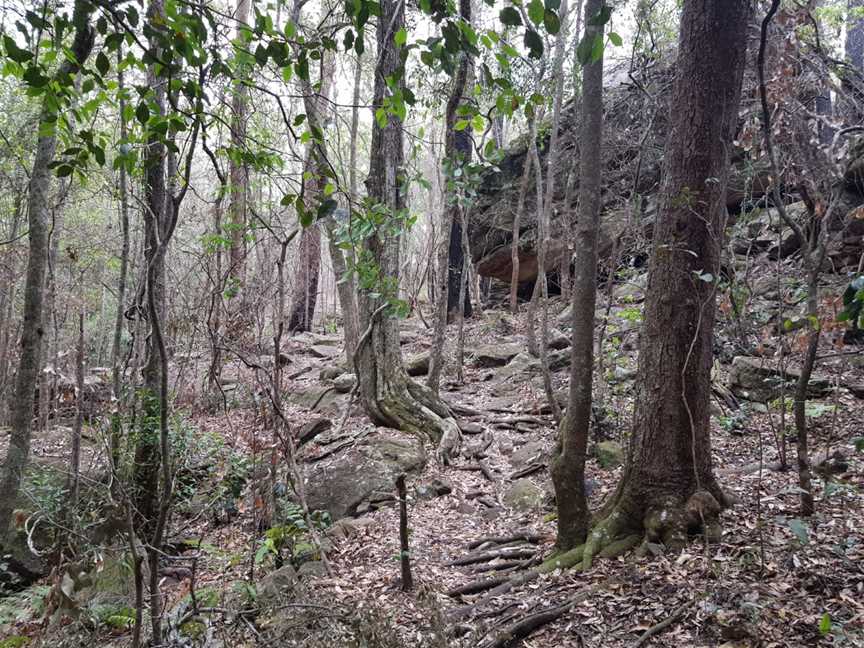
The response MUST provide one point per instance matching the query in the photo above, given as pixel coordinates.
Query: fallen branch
(485, 556)
(533, 538)
(525, 626)
(657, 628)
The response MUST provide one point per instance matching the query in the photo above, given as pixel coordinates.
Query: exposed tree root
(522, 628)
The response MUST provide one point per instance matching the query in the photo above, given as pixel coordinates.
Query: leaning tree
(668, 487)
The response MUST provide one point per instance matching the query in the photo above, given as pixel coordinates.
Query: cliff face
(636, 122)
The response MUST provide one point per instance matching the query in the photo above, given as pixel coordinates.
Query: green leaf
(142, 112)
(381, 118)
(64, 170)
(509, 16)
(401, 37)
(602, 17)
(34, 77)
(326, 208)
(615, 39)
(14, 52)
(551, 22)
(460, 125)
(102, 63)
(536, 10)
(597, 49)
(583, 52)
(534, 44)
(825, 625)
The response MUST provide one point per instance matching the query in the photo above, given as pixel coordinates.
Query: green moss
(193, 629)
(14, 642)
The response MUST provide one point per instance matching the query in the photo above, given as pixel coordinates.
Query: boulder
(323, 351)
(362, 472)
(323, 399)
(531, 452)
(277, 585)
(312, 429)
(417, 364)
(433, 489)
(523, 495)
(344, 383)
(496, 355)
(761, 380)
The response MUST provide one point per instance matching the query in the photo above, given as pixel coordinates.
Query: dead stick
(657, 628)
(407, 580)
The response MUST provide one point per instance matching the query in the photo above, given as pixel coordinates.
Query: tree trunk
(517, 222)
(7, 306)
(116, 371)
(389, 397)
(31, 338)
(457, 152)
(304, 293)
(75, 454)
(854, 46)
(568, 464)
(147, 451)
(668, 487)
(238, 172)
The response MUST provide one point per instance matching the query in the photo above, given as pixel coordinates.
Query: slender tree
(457, 152)
(568, 465)
(238, 172)
(38, 214)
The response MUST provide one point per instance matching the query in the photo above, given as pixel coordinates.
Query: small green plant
(291, 536)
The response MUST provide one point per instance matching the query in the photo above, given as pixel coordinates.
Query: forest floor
(773, 580)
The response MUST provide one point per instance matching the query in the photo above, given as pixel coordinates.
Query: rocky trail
(479, 525)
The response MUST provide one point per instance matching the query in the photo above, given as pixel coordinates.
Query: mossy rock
(193, 629)
(14, 642)
(609, 454)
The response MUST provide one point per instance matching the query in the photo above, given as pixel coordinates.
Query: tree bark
(457, 152)
(147, 451)
(304, 293)
(668, 487)
(238, 172)
(389, 397)
(33, 330)
(854, 45)
(116, 371)
(568, 463)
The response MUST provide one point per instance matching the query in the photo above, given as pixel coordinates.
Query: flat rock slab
(324, 351)
(762, 380)
(362, 472)
(496, 355)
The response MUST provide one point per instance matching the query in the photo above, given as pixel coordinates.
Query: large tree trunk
(32, 332)
(568, 464)
(389, 397)
(668, 487)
